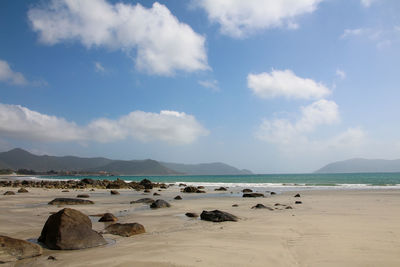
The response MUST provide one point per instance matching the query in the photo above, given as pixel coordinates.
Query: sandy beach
(329, 228)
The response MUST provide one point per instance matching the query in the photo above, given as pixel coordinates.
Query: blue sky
(271, 86)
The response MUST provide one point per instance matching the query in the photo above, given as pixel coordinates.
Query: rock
(159, 203)
(83, 196)
(92, 190)
(261, 206)
(125, 229)
(9, 193)
(273, 193)
(246, 190)
(23, 190)
(108, 217)
(143, 200)
(117, 184)
(70, 229)
(70, 201)
(235, 205)
(88, 181)
(51, 258)
(65, 191)
(253, 195)
(200, 187)
(297, 195)
(298, 202)
(12, 249)
(114, 192)
(146, 183)
(220, 189)
(182, 184)
(288, 208)
(192, 214)
(163, 186)
(217, 216)
(156, 194)
(178, 198)
(147, 191)
(190, 189)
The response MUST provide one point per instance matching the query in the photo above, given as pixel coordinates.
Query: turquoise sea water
(353, 180)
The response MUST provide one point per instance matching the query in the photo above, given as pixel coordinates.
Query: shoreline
(329, 228)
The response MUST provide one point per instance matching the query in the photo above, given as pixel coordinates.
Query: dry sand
(330, 228)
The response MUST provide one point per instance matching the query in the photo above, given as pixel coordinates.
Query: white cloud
(98, 67)
(354, 32)
(211, 84)
(239, 18)
(367, 3)
(341, 74)
(285, 83)
(168, 126)
(163, 45)
(9, 76)
(283, 131)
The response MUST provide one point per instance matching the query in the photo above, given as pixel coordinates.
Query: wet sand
(330, 228)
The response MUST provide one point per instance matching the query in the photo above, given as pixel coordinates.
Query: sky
(273, 86)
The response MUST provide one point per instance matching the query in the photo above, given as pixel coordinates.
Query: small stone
(178, 198)
(70, 201)
(247, 190)
(23, 190)
(253, 195)
(297, 195)
(159, 203)
(192, 214)
(235, 205)
(298, 202)
(125, 229)
(114, 192)
(156, 194)
(261, 206)
(143, 200)
(83, 196)
(108, 217)
(288, 208)
(220, 189)
(9, 193)
(273, 193)
(52, 258)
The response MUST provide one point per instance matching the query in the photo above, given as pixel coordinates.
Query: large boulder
(70, 229)
(253, 195)
(12, 249)
(159, 203)
(125, 229)
(217, 216)
(70, 201)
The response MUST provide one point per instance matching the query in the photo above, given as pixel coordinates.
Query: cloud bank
(9, 76)
(167, 126)
(238, 18)
(162, 44)
(284, 83)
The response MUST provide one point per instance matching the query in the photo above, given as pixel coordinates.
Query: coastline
(329, 228)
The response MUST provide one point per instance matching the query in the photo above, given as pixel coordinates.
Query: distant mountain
(361, 165)
(20, 159)
(205, 169)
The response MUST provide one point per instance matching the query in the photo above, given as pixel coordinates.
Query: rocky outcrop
(217, 216)
(159, 203)
(12, 249)
(70, 229)
(125, 229)
(70, 201)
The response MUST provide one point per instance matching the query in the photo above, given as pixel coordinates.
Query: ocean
(280, 182)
